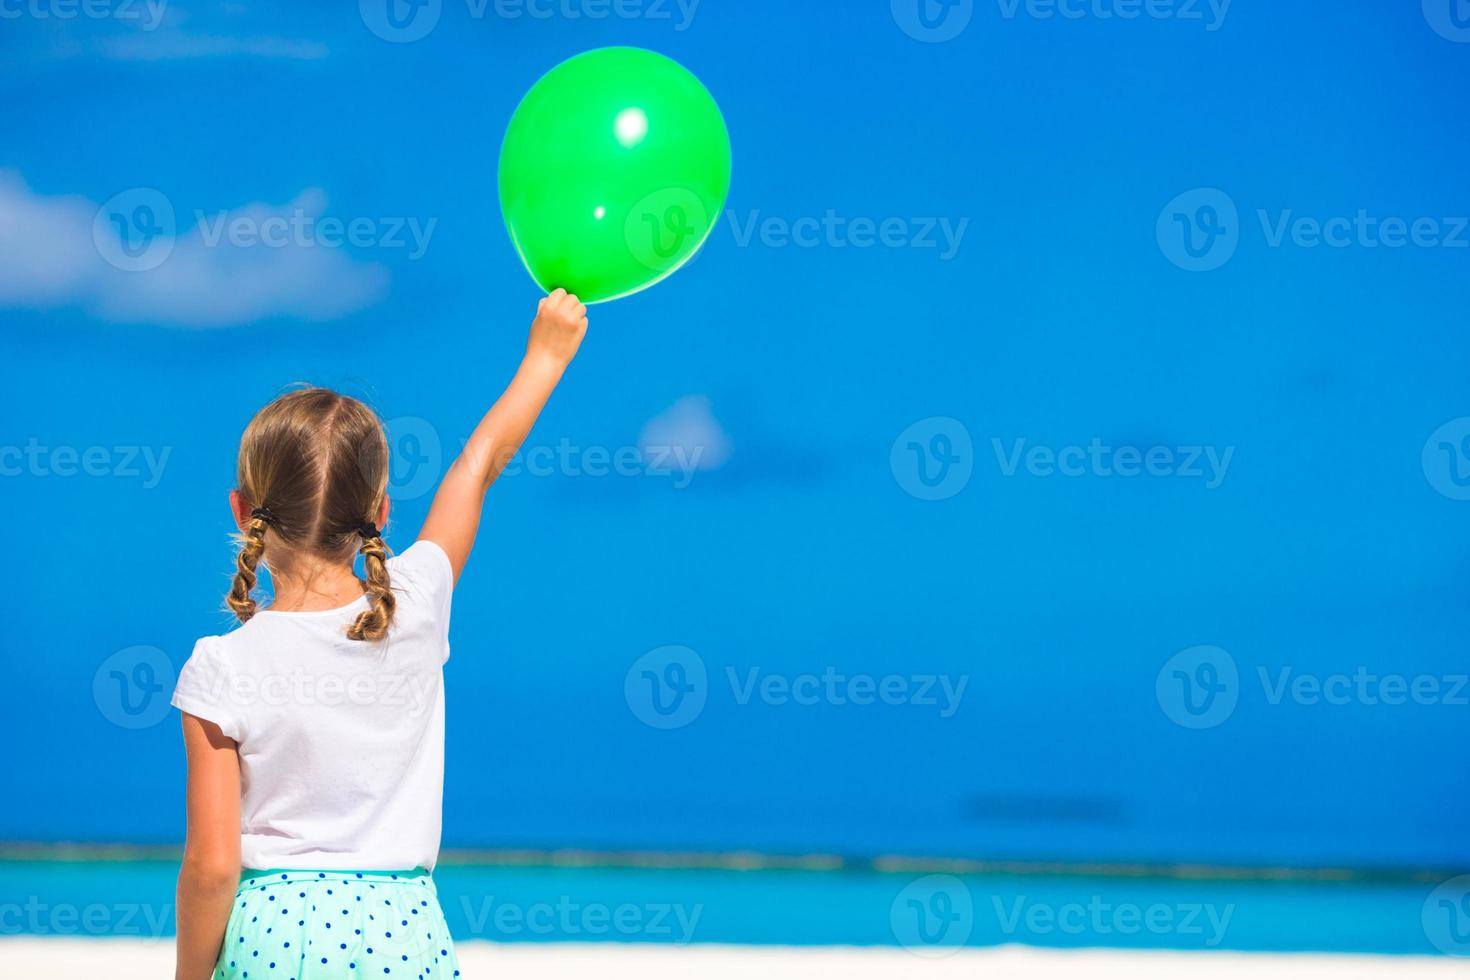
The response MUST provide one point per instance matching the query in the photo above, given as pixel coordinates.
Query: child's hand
(454, 518)
(557, 331)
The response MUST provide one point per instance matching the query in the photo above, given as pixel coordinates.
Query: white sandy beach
(131, 959)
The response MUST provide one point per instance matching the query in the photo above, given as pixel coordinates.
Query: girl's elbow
(212, 872)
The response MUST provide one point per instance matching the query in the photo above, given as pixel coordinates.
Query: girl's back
(341, 743)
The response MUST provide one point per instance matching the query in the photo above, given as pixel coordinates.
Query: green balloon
(614, 169)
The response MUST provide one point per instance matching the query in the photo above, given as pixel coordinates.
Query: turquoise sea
(511, 903)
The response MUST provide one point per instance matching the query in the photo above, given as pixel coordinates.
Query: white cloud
(46, 251)
(148, 30)
(180, 46)
(686, 433)
(67, 252)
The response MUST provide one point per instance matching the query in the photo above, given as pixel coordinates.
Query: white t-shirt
(341, 741)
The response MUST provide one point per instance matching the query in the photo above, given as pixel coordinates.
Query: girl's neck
(312, 585)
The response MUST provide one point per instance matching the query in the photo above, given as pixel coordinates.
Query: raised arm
(454, 517)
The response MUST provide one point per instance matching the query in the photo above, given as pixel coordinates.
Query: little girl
(315, 731)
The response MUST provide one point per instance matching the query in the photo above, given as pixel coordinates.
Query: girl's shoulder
(422, 571)
(207, 685)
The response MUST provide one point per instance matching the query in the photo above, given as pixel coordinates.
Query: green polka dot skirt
(315, 925)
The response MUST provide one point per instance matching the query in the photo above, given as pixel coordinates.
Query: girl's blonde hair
(314, 466)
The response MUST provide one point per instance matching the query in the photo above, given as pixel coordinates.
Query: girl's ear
(240, 508)
(383, 513)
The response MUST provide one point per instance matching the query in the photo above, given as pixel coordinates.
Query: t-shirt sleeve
(424, 572)
(206, 688)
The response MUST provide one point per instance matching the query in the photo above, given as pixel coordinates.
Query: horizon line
(747, 860)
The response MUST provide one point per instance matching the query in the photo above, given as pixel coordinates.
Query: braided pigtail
(373, 624)
(253, 546)
(320, 460)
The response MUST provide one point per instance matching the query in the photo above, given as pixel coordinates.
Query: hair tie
(369, 530)
(262, 514)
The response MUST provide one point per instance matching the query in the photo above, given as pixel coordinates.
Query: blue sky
(951, 267)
